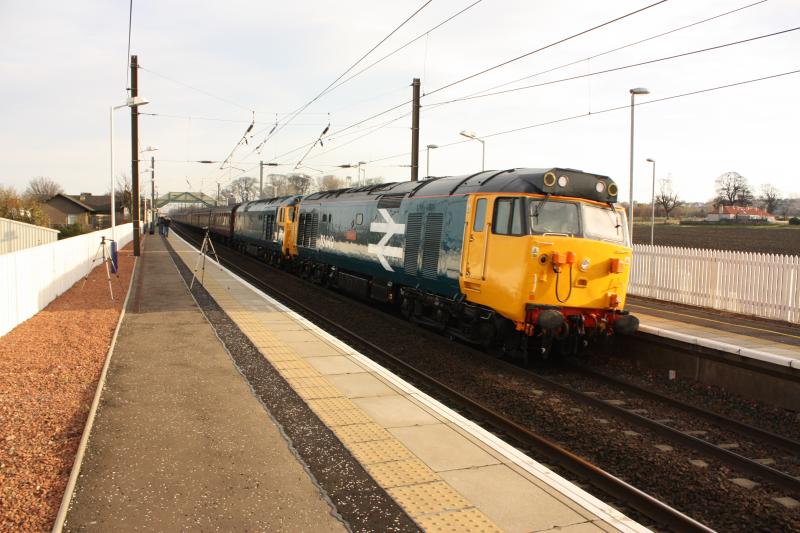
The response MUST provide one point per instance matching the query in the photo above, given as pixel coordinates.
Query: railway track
(713, 481)
(642, 502)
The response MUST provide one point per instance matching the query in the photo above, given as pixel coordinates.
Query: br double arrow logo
(389, 228)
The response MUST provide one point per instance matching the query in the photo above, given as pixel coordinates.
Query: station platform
(764, 340)
(188, 437)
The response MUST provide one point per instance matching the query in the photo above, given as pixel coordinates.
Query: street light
(428, 164)
(653, 201)
(152, 171)
(359, 171)
(471, 135)
(135, 101)
(634, 92)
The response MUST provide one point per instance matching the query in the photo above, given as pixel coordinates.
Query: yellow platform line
(418, 490)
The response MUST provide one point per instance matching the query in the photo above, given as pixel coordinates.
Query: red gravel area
(49, 368)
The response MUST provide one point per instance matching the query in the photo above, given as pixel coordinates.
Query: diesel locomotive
(524, 261)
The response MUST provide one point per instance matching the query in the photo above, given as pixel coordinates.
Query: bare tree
(770, 197)
(330, 183)
(666, 198)
(23, 209)
(299, 183)
(242, 189)
(733, 189)
(123, 197)
(42, 189)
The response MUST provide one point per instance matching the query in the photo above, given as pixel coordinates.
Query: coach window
(508, 216)
(480, 215)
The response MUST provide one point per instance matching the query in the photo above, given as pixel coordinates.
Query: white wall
(32, 278)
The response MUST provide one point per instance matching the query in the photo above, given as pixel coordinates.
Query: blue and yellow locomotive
(522, 260)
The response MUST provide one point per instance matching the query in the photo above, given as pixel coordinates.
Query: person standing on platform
(167, 222)
(161, 225)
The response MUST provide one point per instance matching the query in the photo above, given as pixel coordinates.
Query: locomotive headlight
(562, 181)
(584, 266)
(600, 186)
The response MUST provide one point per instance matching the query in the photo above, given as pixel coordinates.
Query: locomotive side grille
(314, 233)
(413, 234)
(268, 221)
(431, 245)
(301, 229)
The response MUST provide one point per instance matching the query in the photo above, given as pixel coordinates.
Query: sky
(209, 68)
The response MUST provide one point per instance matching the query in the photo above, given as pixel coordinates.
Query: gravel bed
(769, 417)
(49, 368)
(359, 500)
(706, 494)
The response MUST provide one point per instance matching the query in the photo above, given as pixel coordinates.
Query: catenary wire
(202, 91)
(618, 48)
(616, 69)
(547, 46)
(506, 62)
(318, 96)
(607, 110)
(412, 41)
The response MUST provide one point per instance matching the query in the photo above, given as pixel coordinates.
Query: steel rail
(642, 502)
(779, 441)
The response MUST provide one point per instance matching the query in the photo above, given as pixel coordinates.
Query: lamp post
(152, 171)
(131, 102)
(471, 135)
(634, 92)
(359, 171)
(428, 163)
(653, 201)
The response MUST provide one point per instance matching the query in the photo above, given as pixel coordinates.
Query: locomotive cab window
(509, 216)
(480, 215)
(604, 224)
(359, 219)
(548, 216)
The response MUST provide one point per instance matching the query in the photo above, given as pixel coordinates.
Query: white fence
(765, 285)
(32, 278)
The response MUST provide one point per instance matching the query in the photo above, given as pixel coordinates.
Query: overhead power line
(616, 69)
(608, 110)
(343, 74)
(409, 43)
(551, 45)
(202, 91)
(618, 48)
(484, 71)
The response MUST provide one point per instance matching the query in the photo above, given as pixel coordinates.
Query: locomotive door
(477, 241)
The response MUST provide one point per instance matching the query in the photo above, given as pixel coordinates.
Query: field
(765, 239)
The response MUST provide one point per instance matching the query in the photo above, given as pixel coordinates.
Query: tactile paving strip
(457, 522)
(360, 433)
(428, 498)
(379, 451)
(349, 417)
(398, 473)
(332, 404)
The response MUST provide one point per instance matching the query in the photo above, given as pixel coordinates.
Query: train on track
(529, 262)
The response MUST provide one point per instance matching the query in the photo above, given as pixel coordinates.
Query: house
(741, 215)
(86, 209)
(63, 209)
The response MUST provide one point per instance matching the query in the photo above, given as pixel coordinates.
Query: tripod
(103, 254)
(204, 248)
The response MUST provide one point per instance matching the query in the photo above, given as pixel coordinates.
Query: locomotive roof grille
(554, 181)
